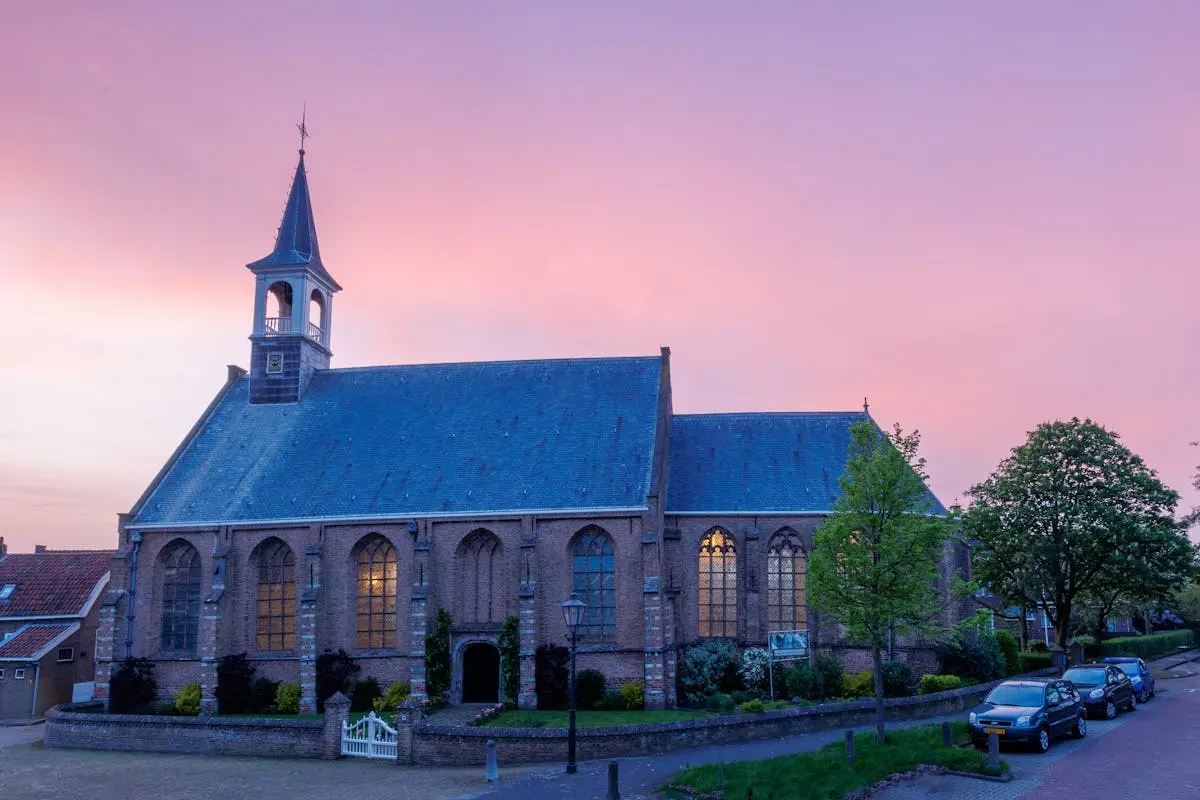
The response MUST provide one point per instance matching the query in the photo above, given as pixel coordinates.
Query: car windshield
(1085, 675)
(1016, 695)
(1129, 668)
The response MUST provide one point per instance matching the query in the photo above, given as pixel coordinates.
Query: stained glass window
(786, 569)
(376, 602)
(180, 597)
(595, 582)
(276, 596)
(718, 585)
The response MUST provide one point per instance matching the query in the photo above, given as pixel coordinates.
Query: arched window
(276, 596)
(180, 597)
(279, 309)
(480, 578)
(595, 581)
(376, 594)
(786, 568)
(718, 585)
(317, 326)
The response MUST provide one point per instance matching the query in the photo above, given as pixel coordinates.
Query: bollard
(849, 745)
(993, 751)
(947, 738)
(493, 774)
(614, 793)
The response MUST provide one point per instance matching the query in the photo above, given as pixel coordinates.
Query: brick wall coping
(819, 711)
(77, 712)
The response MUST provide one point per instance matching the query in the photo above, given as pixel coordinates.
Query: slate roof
(53, 583)
(31, 642)
(296, 241)
(766, 463)
(507, 436)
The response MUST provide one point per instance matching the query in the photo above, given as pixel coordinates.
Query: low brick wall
(74, 725)
(434, 744)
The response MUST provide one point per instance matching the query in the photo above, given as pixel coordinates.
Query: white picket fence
(370, 737)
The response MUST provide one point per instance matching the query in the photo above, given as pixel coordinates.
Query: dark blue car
(1139, 675)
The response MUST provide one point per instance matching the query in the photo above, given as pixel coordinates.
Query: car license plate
(997, 731)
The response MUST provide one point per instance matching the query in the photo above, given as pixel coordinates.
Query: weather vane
(303, 127)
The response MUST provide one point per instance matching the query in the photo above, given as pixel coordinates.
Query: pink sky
(982, 218)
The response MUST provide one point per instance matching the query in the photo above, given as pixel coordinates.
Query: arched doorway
(480, 673)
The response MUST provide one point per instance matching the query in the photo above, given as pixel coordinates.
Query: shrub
(335, 673)
(509, 645)
(262, 696)
(394, 696)
(861, 684)
(364, 695)
(720, 702)
(165, 708)
(751, 707)
(1010, 650)
(752, 669)
(1031, 662)
(703, 670)
(589, 688)
(971, 656)
(776, 705)
(612, 701)
(827, 678)
(437, 654)
(235, 685)
(132, 689)
(633, 695)
(1151, 646)
(1038, 647)
(938, 683)
(897, 679)
(487, 715)
(798, 681)
(550, 677)
(187, 702)
(287, 698)
(741, 696)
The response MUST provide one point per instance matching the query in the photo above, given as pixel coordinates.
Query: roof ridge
(580, 359)
(772, 414)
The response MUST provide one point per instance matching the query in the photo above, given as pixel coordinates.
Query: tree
(1074, 516)
(874, 565)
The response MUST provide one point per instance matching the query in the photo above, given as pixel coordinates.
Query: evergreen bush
(335, 673)
(133, 689)
(437, 654)
(551, 677)
(752, 668)
(287, 698)
(633, 695)
(703, 671)
(589, 688)
(395, 695)
(509, 645)
(262, 696)
(364, 695)
(1010, 650)
(938, 683)
(187, 702)
(235, 685)
(897, 679)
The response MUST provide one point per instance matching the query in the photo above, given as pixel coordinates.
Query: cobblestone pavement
(29, 771)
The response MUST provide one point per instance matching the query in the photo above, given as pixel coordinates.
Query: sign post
(783, 646)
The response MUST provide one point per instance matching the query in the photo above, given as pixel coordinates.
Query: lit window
(376, 594)
(6, 591)
(718, 585)
(786, 569)
(276, 596)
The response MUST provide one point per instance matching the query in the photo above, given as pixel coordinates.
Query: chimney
(3, 548)
(39, 548)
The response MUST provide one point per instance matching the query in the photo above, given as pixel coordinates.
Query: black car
(1103, 687)
(1031, 710)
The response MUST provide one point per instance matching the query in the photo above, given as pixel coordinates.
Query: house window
(66, 654)
(18, 674)
(376, 594)
(786, 570)
(1, 674)
(595, 582)
(180, 597)
(718, 585)
(6, 591)
(276, 596)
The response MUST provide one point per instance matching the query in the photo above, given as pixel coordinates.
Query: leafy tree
(1073, 516)
(1187, 604)
(437, 654)
(874, 565)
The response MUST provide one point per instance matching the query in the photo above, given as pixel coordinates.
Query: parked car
(1103, 687)
(1030, 710)
(1139, 675)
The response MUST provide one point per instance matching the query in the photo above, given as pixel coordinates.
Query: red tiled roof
(31, 640)
(51, 583)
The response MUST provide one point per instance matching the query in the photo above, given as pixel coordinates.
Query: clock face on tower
(274, 363)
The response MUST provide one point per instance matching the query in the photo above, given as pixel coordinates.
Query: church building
(314, 508)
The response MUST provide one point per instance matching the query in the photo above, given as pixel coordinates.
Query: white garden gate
(370, 737)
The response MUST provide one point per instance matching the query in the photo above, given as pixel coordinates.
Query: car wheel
(1144, 696)
(1110, 710)
(1133, 701)
(1042, 743)
(1080, 730)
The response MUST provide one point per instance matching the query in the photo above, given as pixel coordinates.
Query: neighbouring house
(312, 508)
(1036, 626)
(49, 603)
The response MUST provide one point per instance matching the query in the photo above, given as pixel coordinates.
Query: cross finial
(866, 406)
(303, 127)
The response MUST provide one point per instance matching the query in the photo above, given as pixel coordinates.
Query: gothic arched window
(786, 568)
(595, 582)
(480, 578)
(276, 610)
(376, 606)
(718, 585)
(180, 597)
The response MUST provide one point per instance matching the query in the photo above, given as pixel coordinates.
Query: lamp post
(573, 614)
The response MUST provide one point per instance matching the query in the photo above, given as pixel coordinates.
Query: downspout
(37, 674)
(136, 538)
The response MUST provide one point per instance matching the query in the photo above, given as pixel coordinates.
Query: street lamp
(573, 614)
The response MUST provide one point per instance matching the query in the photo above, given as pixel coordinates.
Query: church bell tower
(293, 303)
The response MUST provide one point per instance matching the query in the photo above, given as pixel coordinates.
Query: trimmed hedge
(1031, 662)
(1152, 646)
(938, 683)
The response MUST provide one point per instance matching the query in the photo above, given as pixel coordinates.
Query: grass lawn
(591, 719)
(825, 775)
